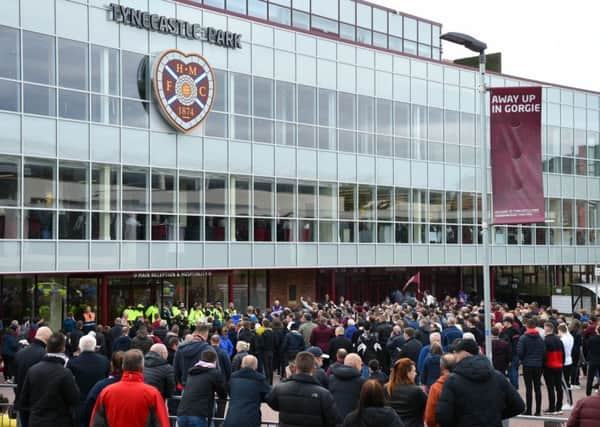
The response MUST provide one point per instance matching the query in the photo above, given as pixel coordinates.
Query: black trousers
(553, 378)
(267, 362)
(533, 380)
(566, 383)
(592, 371)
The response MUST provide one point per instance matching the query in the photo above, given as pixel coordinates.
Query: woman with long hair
(371, 411)
(404, 396)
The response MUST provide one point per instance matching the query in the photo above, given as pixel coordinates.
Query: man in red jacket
(553, 365)
(130, 402)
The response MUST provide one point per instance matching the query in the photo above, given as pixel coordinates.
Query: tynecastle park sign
(162, 24)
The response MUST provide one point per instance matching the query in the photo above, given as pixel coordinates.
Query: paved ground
(270, 415)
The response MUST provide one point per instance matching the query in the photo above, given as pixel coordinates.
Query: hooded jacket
(248, 389)
(475, 394)
(158, 373)
(531, 349)
(187, 355)
(345, 384)
(373, 417)
(203, 381)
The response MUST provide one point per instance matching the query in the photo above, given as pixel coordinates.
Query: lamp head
(465, 40)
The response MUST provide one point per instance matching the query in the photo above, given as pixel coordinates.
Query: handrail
(544, 418)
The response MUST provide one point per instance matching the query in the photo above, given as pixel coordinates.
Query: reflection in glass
(190, 227)
(285, 200)
(38, 183)
(104, 225)
(306, 200)
(164, 227)
(346, 201)
(263, 198)
(215, 228)
(135, 189)
(190, 194)
(163, 191)
(10, 96)
(73, 105)
(105, 187)
(38, 224)
(134, 226)
(39, 100)
(135, 113)
(285, 230)
(132, 64)
(9, 181)
(72, 225)
(216, 202)
(9, 52)
(9, 223)
(73, 185)
(105, 70)
(72, 64)
(38, 58)
(106, 109)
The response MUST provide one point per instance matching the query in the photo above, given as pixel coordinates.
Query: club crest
(184, 86)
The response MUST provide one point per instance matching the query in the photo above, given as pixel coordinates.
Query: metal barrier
(549, 421)
(220, 421)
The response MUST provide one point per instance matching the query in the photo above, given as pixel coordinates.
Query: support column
(104, 313)
(332, 286)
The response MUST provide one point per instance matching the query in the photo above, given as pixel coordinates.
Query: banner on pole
(516, 155)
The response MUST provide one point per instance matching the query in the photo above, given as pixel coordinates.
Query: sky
(553, 41)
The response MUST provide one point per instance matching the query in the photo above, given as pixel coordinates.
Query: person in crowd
(161, 331)
(88, 368)
(245, 333)
(394, 344)
(306, 328)
(593, 358)
(375, 372)
(403, 395)
(451, 333)
(241, 351)
(293, 343)
(351, 330)
(267, 348)
(301, 401)
(225, 342)
(73, 338)
(130, 402)
(188, 353)
(447, 364)
(248, 389)
(339, 361)
(223, 360)
(553, 367)
(511, 333)
(321, 335)
(69, 323)
(320, 373)
(531, 350)
(501, 352)
(337, 342)
(586, 412)
(116, 367)
(475, 394)
(89, 320)
(142, 341)
(113, 334)
(412, 346)
(567, 341)
(345, 384)
(25, 359)
(123, 343)
(10, 347)
(49, 391)
(158, 372)
(435, 337)
(371, 411)
(172, 345)
(198, 400)
(576, 354)
(431, 366)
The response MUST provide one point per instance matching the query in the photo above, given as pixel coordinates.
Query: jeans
(592, 371)
(190, 421)
(533, 377)
(513, 371)
(553, 378)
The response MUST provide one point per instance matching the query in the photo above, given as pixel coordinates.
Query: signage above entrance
(162, 24)
(184, 87)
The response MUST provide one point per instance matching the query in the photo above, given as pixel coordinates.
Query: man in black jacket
(49, 391)
(301, 401)
(412, 346)
(158, 372)
(203, 381)
(339, 341)
(188, 353)
(26, 358)
(345, 384)
(88, 368)
(531, 351)
(475, 394)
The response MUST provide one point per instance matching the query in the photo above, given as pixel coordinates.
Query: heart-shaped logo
(184, 86)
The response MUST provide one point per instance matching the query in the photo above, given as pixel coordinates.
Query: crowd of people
(402, 362)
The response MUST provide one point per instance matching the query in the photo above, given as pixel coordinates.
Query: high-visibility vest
(151, 313)
(175, 311)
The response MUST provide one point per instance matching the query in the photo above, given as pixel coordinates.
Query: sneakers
(557, 413)
(576, 387)
(567, 407)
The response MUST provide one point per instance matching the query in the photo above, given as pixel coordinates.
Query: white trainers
(576, 387)
(567, 407)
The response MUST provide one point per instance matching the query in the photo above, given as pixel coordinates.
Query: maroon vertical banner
(516, 155)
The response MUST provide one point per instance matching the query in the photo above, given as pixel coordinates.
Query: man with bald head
(158, 372)
(345, 384)
(339, 341)
(248, 389)
(26, 358)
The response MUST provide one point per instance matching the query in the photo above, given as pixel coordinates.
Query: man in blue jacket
(450, 333)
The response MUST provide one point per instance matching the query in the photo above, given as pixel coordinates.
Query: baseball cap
(317, 352)
(467, 345)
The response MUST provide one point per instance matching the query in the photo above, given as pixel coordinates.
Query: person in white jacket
(567, 340)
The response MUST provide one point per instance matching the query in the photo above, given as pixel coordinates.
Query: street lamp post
(479, 47)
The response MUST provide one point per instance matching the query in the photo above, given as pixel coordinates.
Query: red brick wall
(280, 282)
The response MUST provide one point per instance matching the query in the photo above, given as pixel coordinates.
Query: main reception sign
(184, 87)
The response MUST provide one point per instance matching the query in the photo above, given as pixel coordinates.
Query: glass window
(279, 14)
(366, 113)
(163, 191)
(135, 189)
(215, 228)
(435, 36)
(190, 227)
(384, 203)
(327, 107)
(164, 227)
(38, 183)
(241, 197)
(9, 223)
(306, 136)
(348, 11)
(419, 122)
(363, 15)
(38, 224)
(326, 25)
(263, 197)
(452, 201)
(10, 95)
(364, 36)
(419, 206)
(238, 6)
(220, 4)
(285, 101)
(39, 100)
(424, 32)
(190, 194)
(215, 193)
(347, 32)
(467, 129)
(285, 200)
(410, 47)
(9, 181)
(220, 103)
(346, 231)
(72, 225)
(401, 119)
(38, 58)
(132, 64)
(347, 141)
(263, 97)
(384, 116)
(307, 104)
(327, 201)
(395, 24)
(327, 138)
(105, 187)
(241, 95)
(380, 40)
(451, 126)
(135, 113)
(73, 105)
(216, 125)
(307, 202)
(300, 20)
(106, 109)
(380, 20)
(72, 64)
(395, 43)
(327, 231)
(307, 230)
(73, 185)
(285, 134)
(347, 111)
(301, 5)
(410, 28)
(9, 53)
(257, 8)
(134, 226)
(436, 124)
(346, 201)
(263, 230)
(105, 70)
(366, 202)
(436, 207)
(263, 131)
